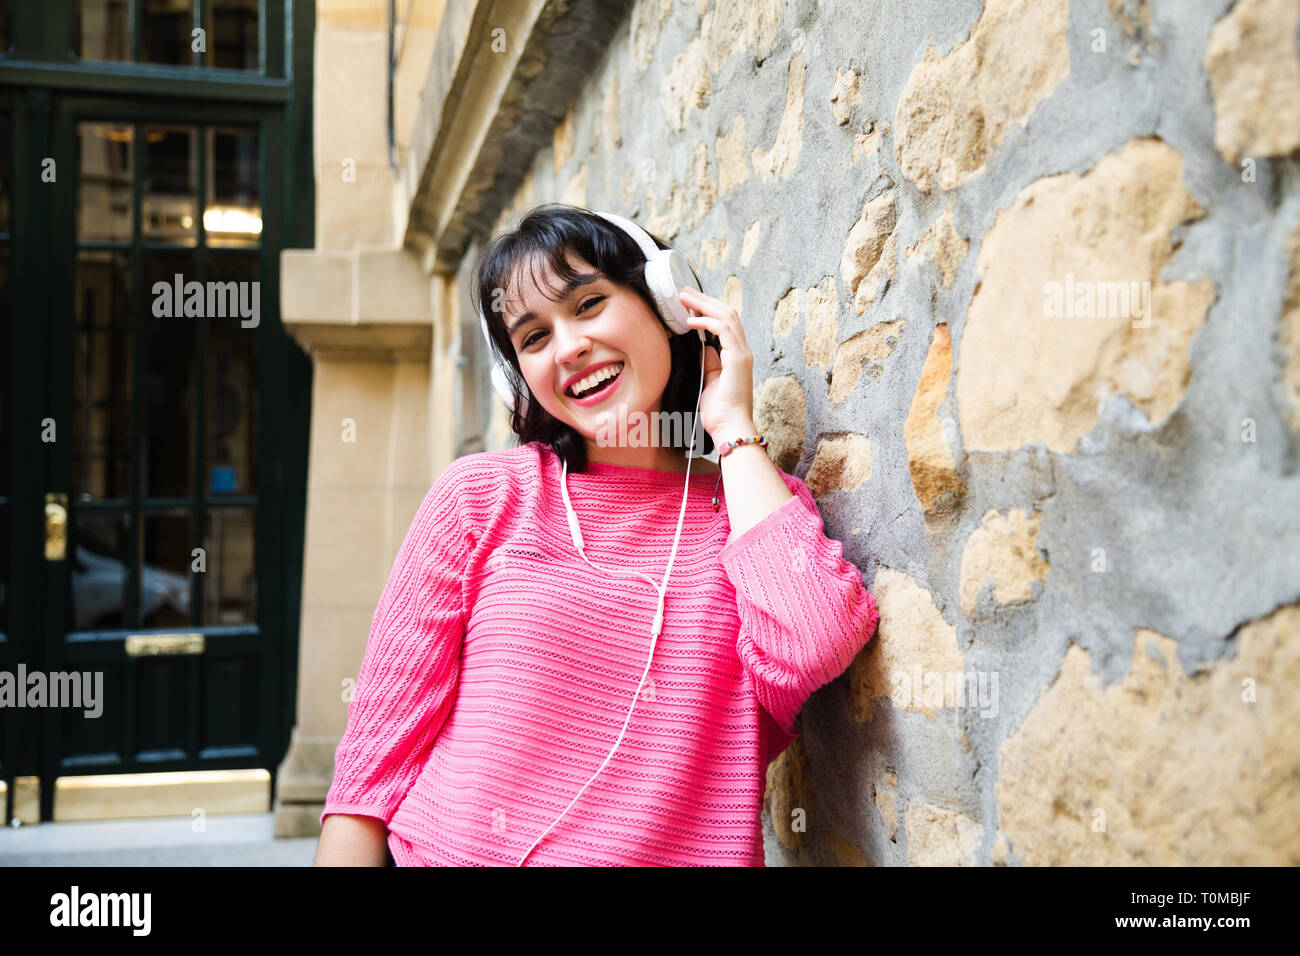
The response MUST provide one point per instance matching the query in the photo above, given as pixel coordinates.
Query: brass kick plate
(143, 645)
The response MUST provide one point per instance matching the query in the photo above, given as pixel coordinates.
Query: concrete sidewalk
(235, 839)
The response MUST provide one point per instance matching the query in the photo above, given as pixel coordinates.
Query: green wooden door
(155, 411)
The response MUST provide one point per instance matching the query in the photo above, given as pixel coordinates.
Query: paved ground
(235, 839)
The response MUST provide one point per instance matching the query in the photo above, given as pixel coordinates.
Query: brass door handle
(56, 526)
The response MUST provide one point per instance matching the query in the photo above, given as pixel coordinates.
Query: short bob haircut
(545, 235)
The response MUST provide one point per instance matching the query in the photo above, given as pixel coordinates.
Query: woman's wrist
(731, 430)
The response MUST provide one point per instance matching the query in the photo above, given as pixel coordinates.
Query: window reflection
(103, 30)
(170, 189)
(102, 376)
(104, 186)
(231, 583)
(232, 32)
(165, 31)
(233, 213)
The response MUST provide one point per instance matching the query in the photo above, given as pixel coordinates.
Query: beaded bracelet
(724, 449)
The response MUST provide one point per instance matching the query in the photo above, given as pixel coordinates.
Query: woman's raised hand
(727, 405)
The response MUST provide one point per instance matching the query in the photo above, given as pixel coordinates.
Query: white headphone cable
(660, 589)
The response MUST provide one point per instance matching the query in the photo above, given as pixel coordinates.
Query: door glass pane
(165, 31)
(170, 189)
(165, 545)
(230, 595)
(97, 546)
(168, 442)
(103, 30)
(101, 448)
(233, 213)
(232, 378)
(104, 187)
(232, 34)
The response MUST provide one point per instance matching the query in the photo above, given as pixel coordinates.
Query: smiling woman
(516, 630)
(569, 310)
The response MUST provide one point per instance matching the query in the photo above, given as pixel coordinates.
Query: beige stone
(846, 854)
(821, 323)
(647, 21)
(779, 415)
(733, 163)
(562, 140)
(841, 462)
(575, 193)
(1185, 770)
(912, 632)
(1289, 331)
(867, 240)
(733, 293)
(782, 158)
(998, 854)
(627, 192)
(786, 313)
(930, 460)
(1002, 550)
(666, 221)
(860, 353)
(1254, 68)
(713, 252)
(886, 793)
(868, 142)
(845, 95)
(880, 274)
(701, 185)
(610, 129)
(939, 837)
(750, 243)
(1026, 374)
(371, 15)
(789, 789)
(731, 27)
(686, 87)
(351, 214)
(957, 109)
(942, 241)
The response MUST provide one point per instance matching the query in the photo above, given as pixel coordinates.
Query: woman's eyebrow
(577, 282)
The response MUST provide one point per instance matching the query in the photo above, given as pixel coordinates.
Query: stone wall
(1022, 283)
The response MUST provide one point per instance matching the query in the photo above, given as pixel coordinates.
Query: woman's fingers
(716, 317)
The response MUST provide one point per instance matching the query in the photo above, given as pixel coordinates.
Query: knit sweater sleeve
(804, 610)
(408, 677)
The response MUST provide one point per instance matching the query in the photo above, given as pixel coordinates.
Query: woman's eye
(528, 340)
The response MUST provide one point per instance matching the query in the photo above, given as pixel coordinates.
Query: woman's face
(598, 327)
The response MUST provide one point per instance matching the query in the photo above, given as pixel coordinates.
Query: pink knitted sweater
(501, 666)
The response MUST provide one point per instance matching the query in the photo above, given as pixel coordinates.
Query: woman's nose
(570, 345)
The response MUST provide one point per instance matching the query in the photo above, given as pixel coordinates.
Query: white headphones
(666, 273)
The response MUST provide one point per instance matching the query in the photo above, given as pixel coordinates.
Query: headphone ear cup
(666, 275)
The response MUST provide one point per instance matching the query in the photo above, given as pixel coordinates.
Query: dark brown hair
(545, 236)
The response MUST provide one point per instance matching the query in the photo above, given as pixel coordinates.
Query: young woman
(530, 692)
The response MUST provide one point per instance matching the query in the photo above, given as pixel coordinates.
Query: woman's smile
(599, 386)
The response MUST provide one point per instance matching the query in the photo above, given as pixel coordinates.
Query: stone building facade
(1022, 283)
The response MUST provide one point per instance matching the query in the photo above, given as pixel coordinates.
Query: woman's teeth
(596, 378)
